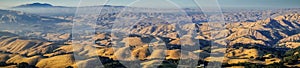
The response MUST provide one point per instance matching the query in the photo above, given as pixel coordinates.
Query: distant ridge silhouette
(46, 5)
(35, 5)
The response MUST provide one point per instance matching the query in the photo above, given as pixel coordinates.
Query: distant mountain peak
(37, 4)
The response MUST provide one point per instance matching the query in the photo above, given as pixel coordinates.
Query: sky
(160, 3)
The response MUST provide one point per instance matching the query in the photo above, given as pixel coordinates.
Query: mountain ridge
(38, 5)
(47, 5)
(9, 16)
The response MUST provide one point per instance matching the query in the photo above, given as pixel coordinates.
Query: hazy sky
(160, 3)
